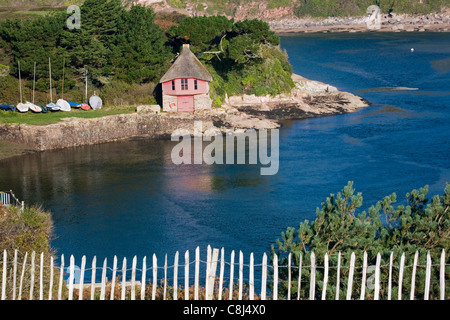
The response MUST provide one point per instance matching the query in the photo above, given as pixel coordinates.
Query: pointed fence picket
(249, 285)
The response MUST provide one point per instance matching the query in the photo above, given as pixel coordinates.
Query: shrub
(421, 225)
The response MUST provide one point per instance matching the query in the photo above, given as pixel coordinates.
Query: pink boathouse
(185, 86)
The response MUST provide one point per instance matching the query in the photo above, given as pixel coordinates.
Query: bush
(28, 229)
(422, 225)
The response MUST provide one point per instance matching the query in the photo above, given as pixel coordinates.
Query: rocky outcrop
(389, 23)
(239, 113)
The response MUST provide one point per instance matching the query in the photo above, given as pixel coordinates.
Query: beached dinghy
(74, 104)
(85, 106)
(53, 107)
(22, 107)
(95, 102)
(7, 107)
(33, 107)
(65, 106)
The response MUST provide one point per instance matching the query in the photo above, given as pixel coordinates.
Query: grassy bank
(31, 118)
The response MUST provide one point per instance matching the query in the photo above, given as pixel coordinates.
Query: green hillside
(251, 8)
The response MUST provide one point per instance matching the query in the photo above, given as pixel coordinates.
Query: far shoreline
(433, 22)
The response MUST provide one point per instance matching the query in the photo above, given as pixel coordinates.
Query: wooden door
(185, 103)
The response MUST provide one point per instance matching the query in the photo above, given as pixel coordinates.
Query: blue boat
(7, 107)
(74, 104)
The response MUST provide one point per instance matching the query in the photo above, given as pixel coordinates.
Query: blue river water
(128, 198)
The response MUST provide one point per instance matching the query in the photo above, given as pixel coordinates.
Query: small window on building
(184, 84)
(195, 84)
(173, 85)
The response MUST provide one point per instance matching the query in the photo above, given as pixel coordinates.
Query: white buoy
(412, 49)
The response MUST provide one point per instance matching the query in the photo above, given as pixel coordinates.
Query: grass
(24, 13)
(8, 117)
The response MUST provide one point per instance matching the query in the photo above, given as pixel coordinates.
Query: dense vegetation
(242, 56)
(421, 225)
(28, 229)
(126, 54)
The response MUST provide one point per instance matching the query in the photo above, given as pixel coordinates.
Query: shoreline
(435, 22)
(309, 99)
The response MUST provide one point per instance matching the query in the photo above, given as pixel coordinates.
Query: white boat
(65, 106)
(95, 102)
(33, 107)
(22, 107)
(53, 107)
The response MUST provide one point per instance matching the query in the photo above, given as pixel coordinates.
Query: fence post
(241, 273)
(103, 288)
(208, 263)
(212, 274)
(197, 271)
(50, 286)
(71, 272)
(94, 266)
(364, 275)
(390, 275)
(299, 286)
(413, 277)
(427, 277)
(22, 275)
(350, 276)
(186, 275)
(83, 267)
(165, 277)
(400, 276)
(14, 275)
(32, 275)
(275, 276)
(231, 275)
(41, 278)
(264, 277)
(338, 275)
(312, 285)
(143, 279)
(124, 278)
(133, 278)
(251, 278)
(325, 277)
(442, 276)
(113, 278)
(4, 275)
(222, 270)
(377, 278)
(289, 277)
(175, 277)
(155, 276)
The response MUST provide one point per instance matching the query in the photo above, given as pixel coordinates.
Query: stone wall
(170, 103)
(77, 132)
(202, 102)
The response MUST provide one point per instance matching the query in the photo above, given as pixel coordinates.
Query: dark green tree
(420, 226)
(139, 53)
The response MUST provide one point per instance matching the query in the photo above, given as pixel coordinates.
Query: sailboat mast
(64, 62)
(50, 72)
(85, 99)
(34, 80)
(20, 83)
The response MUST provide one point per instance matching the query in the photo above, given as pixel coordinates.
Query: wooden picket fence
(58, 281)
